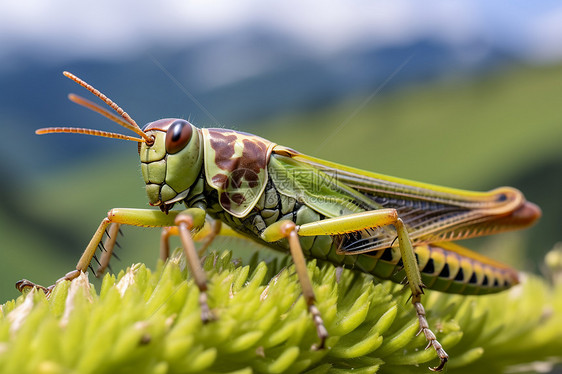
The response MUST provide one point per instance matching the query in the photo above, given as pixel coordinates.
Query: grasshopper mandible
(389, 227)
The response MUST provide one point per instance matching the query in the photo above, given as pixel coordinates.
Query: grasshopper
(389, 227)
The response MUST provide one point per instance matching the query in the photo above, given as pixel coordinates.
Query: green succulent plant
(149, 322)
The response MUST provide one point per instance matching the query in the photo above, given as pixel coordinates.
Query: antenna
(126, 120)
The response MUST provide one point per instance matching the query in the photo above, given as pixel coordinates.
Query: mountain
(238, 80)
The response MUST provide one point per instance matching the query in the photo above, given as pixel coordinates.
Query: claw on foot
(26, 285)
(430, 337)
(441, 365)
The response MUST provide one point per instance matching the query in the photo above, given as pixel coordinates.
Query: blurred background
(465, 94)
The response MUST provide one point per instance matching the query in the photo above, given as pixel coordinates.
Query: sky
(60, 31)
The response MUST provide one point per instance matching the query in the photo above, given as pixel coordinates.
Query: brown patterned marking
(246, 167)
(252, 162)
(238, 168)
(224, 200)
(238, 198)
(255, 151)
(220, 180)
(239, 175)
(224, 150)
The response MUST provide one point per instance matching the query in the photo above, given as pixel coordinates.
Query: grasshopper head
(172, 162)
(169, 149)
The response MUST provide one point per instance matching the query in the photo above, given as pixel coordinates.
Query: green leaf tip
(144, 321)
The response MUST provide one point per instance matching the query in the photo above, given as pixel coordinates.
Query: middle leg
(353, 223)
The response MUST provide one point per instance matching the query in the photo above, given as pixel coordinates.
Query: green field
(477, 133)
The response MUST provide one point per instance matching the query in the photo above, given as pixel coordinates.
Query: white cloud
(545, 38)
(68, 29)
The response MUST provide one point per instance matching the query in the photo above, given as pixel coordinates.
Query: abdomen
(442, 268)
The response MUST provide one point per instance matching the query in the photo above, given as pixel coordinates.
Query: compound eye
(178, 135)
